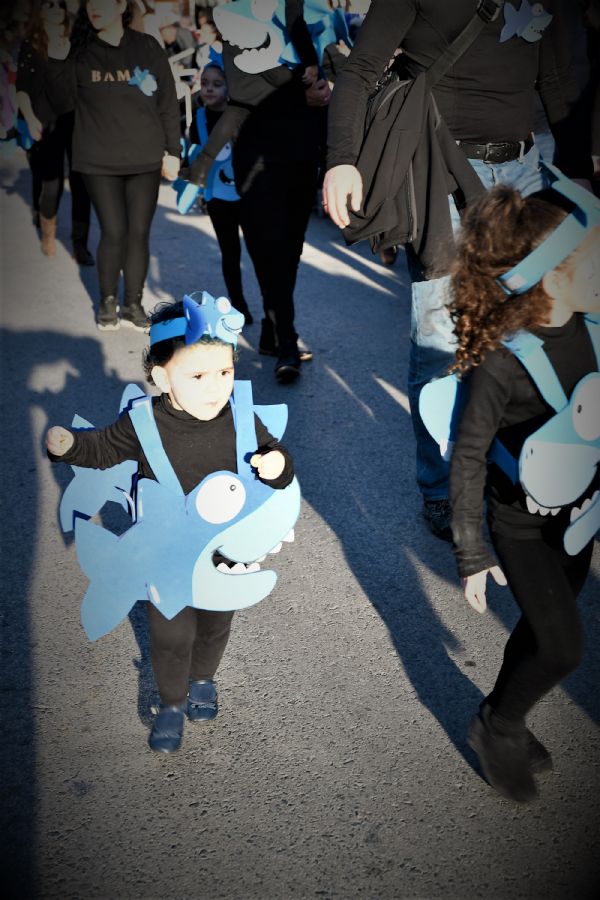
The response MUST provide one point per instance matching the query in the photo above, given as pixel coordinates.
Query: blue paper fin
(132, 392)
(274, 418)
(187, 194)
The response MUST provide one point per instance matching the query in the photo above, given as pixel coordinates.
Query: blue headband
(210, 316)
(561, 242)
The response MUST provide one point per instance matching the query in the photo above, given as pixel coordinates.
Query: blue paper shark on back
(167, 556)
(528, 22)
(258, 28)
(142, 79)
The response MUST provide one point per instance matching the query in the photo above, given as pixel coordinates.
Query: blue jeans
(432, 338)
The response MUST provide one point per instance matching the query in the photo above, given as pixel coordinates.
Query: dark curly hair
(497, 232)
(84, 31)
(162, 351)
(36, 30)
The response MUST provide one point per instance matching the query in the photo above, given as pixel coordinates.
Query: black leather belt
(503, 151)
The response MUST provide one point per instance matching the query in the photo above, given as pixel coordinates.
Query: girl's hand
(170, 167)
(311, 73)
(58, 440)
(269, 465)
(474, 586)
(342, 183)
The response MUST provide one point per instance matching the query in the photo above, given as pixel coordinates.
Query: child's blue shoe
(187, 194)
(167, 729)
(202, 701)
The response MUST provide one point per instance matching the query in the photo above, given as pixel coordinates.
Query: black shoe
(108, 314)
(504, 758)
(167, 729)
(202, 701)
(539, 756)
(437, 515)
(82, 255)
(134, 316)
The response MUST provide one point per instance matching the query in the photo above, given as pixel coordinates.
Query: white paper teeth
(262, 558)
(238, 568)
(223, 567)
(290, 536)
(578, 511)
(534, 507)
(276, 548)
(253, 567)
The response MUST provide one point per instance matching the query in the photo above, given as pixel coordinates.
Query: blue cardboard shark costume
(558, 462)
(166, 556)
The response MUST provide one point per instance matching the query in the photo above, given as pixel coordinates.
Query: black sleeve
(299, 33)
(168, 104)
(563, 78)
(29, 69)
(61, 85)
(487, 399)
(103, 447)
(267, 442)
(381, 33)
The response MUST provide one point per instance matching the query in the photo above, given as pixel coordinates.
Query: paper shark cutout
(167, 556)
(528, 22)
(257, 27)
(144, 81)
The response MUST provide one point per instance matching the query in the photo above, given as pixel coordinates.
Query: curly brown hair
(36, 30)
(497, 232)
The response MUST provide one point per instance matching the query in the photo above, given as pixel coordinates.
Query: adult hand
(474, 586)
(342, 183)
(35, 127)
(269, 465)
(58, 440)
(318, 93)
(58, 45)
(170, 167)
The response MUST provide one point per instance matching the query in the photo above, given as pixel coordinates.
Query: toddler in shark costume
(526, 310)
(214, 492)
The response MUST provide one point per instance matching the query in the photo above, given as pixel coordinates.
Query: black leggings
(47, 163)
(187, 647)
(125, 206)
(277, 199)
(547, 642)
(225, 218)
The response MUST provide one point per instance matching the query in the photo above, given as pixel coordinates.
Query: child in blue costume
(197, 430)
(502, 289)
(222, 199)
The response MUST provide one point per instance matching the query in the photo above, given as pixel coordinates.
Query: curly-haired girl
(505, 403)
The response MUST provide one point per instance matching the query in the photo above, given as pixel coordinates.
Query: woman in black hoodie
(126, 135)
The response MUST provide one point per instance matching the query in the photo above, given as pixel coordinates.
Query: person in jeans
(487, 101)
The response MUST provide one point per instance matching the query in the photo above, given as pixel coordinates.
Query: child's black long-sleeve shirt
(119, 129)
(504, 401)
(195, 448)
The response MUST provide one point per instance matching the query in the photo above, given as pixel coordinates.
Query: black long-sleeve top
(488, 95)
(195, 448)
(32, 70)
(503, 401)
(119, 130)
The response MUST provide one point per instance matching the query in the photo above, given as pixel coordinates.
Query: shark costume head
(203, 549)
(558, 463)
(258, 29)
(203, 314)
(527, 22)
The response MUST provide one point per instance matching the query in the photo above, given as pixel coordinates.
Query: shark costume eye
(221, 499)
(586, 410)
(223, 305)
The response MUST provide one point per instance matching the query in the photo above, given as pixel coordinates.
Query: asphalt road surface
(338, 766)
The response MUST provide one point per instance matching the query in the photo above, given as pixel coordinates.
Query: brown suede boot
(48, 235)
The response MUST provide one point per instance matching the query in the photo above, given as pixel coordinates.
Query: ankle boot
(108, 314)
(48, 227)
(79, 237)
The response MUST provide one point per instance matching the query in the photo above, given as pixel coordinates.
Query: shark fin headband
(561, 242)
(203, 314)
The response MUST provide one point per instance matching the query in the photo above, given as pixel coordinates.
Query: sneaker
(133, 315)
(539, 756)
(167, 729)
(108, 314)
(504, 758)
(437, 515)
(287, 368)
(202, 701)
